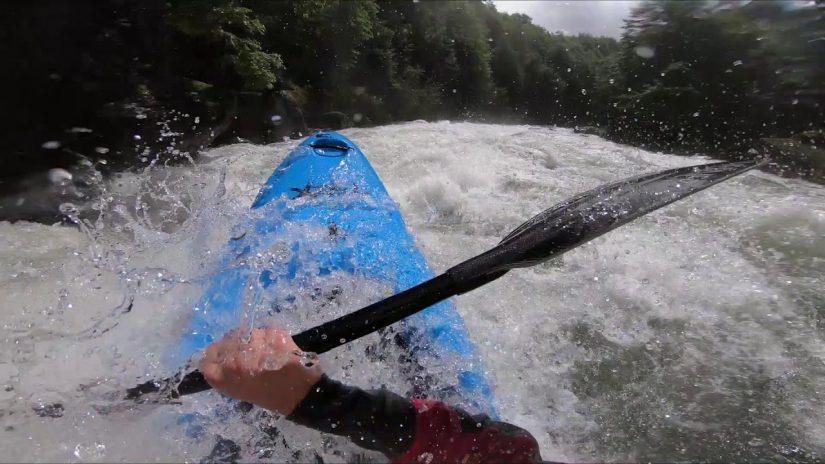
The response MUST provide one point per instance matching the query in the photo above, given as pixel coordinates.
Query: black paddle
(548, 234)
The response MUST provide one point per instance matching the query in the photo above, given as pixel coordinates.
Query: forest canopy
(133, 81)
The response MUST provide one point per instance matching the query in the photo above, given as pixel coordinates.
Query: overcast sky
(596, 17)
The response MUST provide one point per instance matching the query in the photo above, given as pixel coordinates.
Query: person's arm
(378, 420)
(268, 372)
(412, 431)
(445, 434)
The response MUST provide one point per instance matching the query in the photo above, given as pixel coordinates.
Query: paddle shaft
(337, 332)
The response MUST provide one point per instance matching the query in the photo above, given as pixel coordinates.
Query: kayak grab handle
(321, 144)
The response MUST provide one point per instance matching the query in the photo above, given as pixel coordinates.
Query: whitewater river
(694, 333)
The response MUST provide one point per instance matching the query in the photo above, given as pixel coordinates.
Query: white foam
(645, 344)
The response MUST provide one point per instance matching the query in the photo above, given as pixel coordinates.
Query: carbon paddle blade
(591, 214)
(548, 234)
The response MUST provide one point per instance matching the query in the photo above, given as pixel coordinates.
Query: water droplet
(95, 451)
(101, 150)
(276, 361)
(425, 458)
(62, 300)
(357, 117)
(51, 145)
(58, 176)
(644, 51)
(343, 340)
(276, 119)
(584, 91)
(309, 359)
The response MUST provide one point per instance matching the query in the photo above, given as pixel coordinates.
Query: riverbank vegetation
(131, 82)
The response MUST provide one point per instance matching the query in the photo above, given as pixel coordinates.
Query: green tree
(681, 88)
(231, 33)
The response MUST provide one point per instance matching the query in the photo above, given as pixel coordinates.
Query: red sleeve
(446, 435)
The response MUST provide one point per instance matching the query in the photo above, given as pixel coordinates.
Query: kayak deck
(323, 214)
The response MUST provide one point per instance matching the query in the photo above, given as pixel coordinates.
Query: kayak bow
(323, 216)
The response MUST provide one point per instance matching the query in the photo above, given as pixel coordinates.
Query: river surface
(694, 333)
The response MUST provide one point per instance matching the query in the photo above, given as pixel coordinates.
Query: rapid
(694, 333)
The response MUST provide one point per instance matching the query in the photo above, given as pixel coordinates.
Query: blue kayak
(323, 218)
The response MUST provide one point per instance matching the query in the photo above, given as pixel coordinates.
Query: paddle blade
(591, 214)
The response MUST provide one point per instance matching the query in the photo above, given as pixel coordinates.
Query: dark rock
(334, 120)
(812, 137)
(53, 410)
(225, 450)
(264, 117)
(243, 406)
(792, 158)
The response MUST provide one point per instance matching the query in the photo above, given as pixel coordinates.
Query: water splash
(251, 301)
(702, 311)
